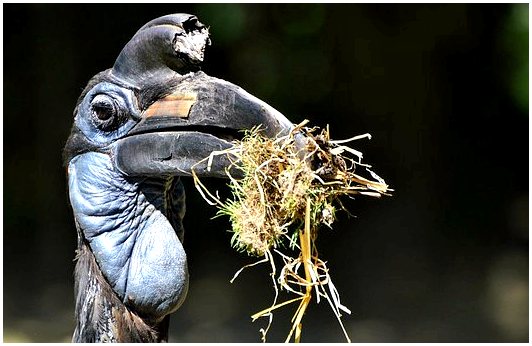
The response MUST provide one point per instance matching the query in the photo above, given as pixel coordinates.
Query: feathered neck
(100, 314)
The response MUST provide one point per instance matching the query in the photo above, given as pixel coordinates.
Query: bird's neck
(129, 228)
(100, 314)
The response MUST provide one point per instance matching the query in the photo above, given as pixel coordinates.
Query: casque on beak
(184, 117)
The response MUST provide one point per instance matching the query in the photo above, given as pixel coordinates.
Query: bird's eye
(105, 111)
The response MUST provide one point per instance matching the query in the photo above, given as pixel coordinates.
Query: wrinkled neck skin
(131, 226)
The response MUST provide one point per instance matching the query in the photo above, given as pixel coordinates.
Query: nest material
(290, 186)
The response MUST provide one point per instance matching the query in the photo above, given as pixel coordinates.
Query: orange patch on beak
(176, 104)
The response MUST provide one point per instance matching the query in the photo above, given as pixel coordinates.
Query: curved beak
(202, 115)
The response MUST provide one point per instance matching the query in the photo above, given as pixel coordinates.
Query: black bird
(137, 127)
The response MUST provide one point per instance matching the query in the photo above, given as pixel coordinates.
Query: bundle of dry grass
(290, 186)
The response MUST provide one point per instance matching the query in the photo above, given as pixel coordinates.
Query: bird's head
(156, 115)
(149, 118)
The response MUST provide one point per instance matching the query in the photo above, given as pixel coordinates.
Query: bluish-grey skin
(131, 223)
(132, 226)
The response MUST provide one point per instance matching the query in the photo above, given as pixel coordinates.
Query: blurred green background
(443, 89)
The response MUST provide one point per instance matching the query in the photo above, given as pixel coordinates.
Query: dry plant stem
(304, 241)
(272, 308)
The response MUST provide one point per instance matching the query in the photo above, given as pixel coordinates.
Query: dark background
(443, 89)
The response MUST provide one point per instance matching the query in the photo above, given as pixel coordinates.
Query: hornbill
(138, 127)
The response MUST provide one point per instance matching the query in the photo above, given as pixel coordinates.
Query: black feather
(101, 316)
